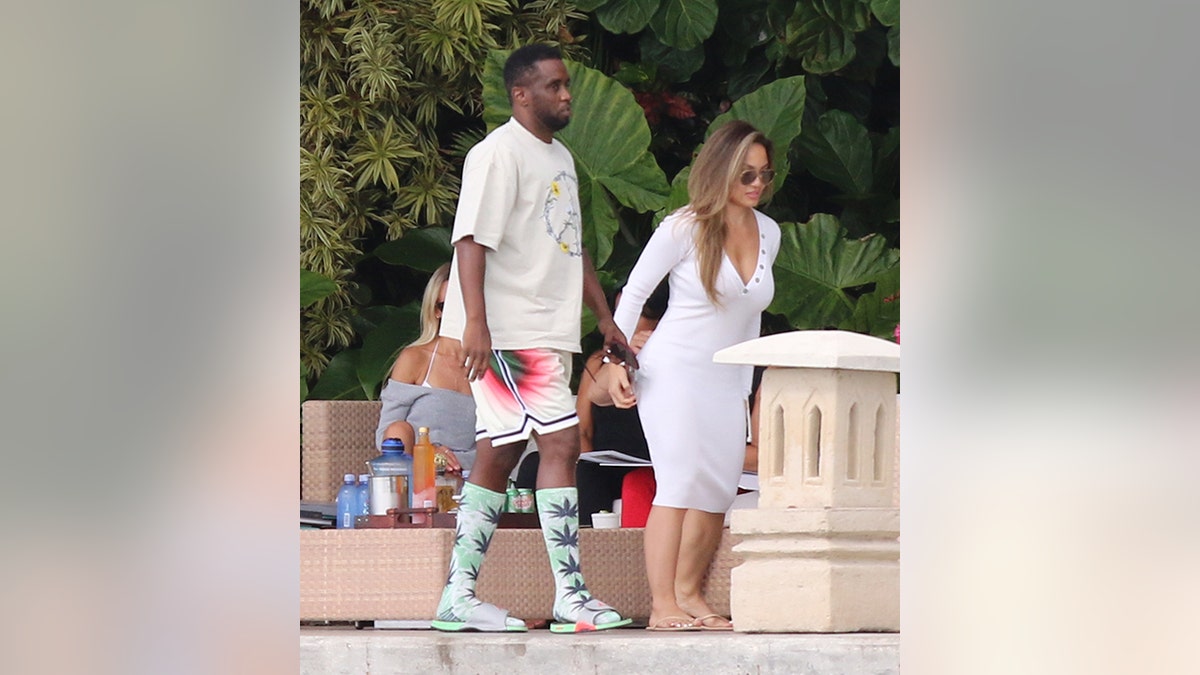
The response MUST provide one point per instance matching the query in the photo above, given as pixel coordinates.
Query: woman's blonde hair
(430, 323)
(719, 164)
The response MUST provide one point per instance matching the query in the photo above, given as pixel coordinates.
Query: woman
(428, 388)
(718, 252)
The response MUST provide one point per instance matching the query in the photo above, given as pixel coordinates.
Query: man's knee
(500, 456)
(560, 447)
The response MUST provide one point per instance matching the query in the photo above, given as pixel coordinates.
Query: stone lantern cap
(816, 349)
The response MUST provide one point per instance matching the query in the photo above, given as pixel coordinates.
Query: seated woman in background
(428, 388)
(603, 426)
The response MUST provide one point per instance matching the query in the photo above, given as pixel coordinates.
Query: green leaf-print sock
(558, 509)
(478, 514)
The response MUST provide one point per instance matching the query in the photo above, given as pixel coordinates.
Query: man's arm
(593, 297)
(477, 337)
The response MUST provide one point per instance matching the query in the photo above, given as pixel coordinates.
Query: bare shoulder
(411, 365)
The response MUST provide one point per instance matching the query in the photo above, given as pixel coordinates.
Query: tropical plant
(386, 88)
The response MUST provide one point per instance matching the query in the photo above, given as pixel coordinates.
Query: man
(519, 277)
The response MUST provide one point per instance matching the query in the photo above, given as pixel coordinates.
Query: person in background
(519, 278)
(426, 387)
(717, 251)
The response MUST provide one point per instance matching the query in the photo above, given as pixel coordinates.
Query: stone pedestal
(822, 549)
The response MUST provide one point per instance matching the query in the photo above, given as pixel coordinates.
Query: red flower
(678, 107)
(651, 106)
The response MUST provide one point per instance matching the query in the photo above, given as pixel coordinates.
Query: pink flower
(897, 333)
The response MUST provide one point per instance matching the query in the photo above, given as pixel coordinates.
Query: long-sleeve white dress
(693, 410)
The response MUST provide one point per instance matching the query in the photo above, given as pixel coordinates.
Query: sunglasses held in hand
(615, 353)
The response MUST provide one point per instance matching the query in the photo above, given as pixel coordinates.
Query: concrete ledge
(337, 651)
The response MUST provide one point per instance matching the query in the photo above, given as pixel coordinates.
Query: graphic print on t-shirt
(560, 215)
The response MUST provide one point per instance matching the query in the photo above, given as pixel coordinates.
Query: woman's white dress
(693, 410)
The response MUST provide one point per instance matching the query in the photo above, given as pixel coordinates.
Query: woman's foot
(713, 622)
(672, 623)
(703, 615)
(671, 617)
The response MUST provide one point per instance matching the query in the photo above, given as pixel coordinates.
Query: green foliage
(387, 87)
(423, 250)
(684, 24)
(313, 287)
(822, 33)
(626, 16)
(820, 275)
(838, 150)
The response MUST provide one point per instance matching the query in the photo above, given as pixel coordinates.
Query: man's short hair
(522, 62)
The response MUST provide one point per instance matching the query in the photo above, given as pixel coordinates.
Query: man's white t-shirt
(520, 199)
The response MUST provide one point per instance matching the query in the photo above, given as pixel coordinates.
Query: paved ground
(345, 650)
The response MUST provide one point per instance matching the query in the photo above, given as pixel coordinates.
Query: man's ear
(519, 96)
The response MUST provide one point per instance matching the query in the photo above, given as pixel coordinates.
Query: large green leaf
(746, 77)
(822, 33)
(672, 65)
(589, 5)
(381, 345)
(684, 24)
(368, 319)
(609, 139)
(601, 223)
(838, 150)
(819, 274)
(496, 106)
(678, 196)
(314, 286)
(747, 25)
(626, 16)
(424, 249)
(887, 11)
(340, 379)
(887, 161)
(774, 109)
(894, 45)
(878, 312)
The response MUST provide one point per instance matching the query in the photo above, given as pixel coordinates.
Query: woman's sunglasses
(748, 177)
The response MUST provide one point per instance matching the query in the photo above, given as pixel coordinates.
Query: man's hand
(477, 349)
(477, 337)
(615, 340)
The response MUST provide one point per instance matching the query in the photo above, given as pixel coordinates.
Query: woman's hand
(619, 386)
(453, 466)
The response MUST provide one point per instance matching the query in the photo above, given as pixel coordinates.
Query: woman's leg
(661, 541)
(700, 537)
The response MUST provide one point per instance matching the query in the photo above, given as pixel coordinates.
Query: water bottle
(347, 499)
(391, 473)
(362, 505)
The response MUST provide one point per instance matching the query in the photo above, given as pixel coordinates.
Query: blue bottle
(396, 467)
(362, 505)
(347, 502)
